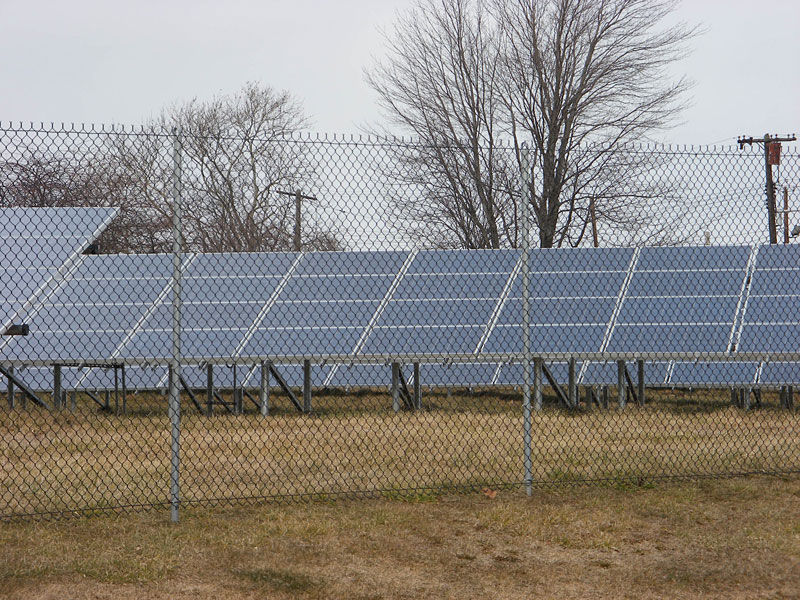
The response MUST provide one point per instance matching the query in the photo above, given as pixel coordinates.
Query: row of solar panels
(458, 375)
(648, 302)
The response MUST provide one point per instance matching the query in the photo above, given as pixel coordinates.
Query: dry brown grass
(735, 538)
(91, 460)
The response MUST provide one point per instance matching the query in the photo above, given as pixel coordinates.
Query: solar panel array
(435, 306)
(39, 243)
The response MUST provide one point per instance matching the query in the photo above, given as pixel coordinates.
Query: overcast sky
(104, 61)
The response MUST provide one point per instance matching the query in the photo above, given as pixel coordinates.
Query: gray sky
(104, 61)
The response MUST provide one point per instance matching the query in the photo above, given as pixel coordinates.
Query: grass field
(731, 538)
(91, 460)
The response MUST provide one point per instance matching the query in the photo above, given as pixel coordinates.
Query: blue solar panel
(778, 257)
(571, 285)
(457, 374)
(436, 313)
(423, 340)
(307, 342)
(222, 289)
(250, 264)
(679, 309)
(361, 376)
(546, 338)
(322, 314)
(354, 287)
(351, 263)
(783, 282)
(773, 309)
(456, 285)
(580, 259)
(673, 305)
(464, 261)
(692, 258)
(559, 311)
(713, 373)
(770, 337)
(681, 283)
(653, 339)
(780, 373)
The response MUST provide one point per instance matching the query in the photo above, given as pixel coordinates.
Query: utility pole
(297, 244)
(772, 154)
(785, 215)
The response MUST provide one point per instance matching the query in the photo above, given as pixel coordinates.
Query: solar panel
(779, 373)
(35, 243)
(326, 304)
(222, 295)
(457, 374)
(88, 316)
(711, 374)
(682, 299)
(573, 294)
(443, 304)
(771, 321)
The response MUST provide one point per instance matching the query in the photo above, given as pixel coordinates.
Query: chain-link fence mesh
(342, 315)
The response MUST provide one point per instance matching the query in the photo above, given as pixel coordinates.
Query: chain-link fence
(197, 317)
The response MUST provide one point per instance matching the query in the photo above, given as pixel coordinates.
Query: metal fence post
(524, 245)
(175, 367)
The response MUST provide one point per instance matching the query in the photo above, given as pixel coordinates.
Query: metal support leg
(745, 398)
(116, 391)
(537, 384)
(307, 387)
(604, 396)
(57, 397)
(734, 399)
(417, 388)
(124, 393)
(73, 404)
(790, 397)
(210, 390)
(12, 401)
(237, 398)
(396, 387)
(621, 390)
(572, 391)
(263, 391)
(640, 384)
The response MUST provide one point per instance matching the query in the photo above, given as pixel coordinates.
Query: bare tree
(238, 154)
(577, 79)
(442, 83)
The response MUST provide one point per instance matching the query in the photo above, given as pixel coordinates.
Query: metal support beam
(237, 398)
(285, 387)
(307, 387)
(396, 387)
(12, 401)
(790, 397)
(57, 398)
(189, 393)
(263, 390)
(95, 398)
(621, 389)
(124, 393)
(554, 384)
(640, 383)
(210, 390)
(25, 389)
(417, 388)
(116, 391)
(405, 394)
(631, 389)
(572, 391)
(604, 397)
(744, 394)
(734, 397)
